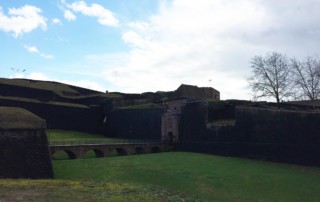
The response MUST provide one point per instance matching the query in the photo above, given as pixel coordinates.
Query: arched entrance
(155, 149)
(121, 151)
(63, 154)
(139, 150)
(170, 137)
(93, 153)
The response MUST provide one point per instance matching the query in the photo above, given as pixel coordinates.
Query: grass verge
(61, 137)
(68, 190)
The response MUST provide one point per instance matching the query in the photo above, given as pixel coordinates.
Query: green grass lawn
(170, 176)
(57, 137)
(194, 176)
(60, 135)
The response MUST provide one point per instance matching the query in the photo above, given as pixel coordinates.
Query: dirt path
(7, 195)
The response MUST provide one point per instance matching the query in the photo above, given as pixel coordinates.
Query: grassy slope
(198, 175)
(41, 85)
(61, 89)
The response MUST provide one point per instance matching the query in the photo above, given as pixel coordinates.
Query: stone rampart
(24, 150)
(290, 136)
(63, 116)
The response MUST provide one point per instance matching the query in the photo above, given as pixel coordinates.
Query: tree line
(277, 76)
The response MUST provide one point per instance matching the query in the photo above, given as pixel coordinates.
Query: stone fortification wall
(24, 150)
(279, 135)
(135, 124)
(265, 125)
(263, 133)
(63, 116)
(224, 109)
(52, 92)
(194, 92)
(20, 91)
(24, 154)
(193, 122)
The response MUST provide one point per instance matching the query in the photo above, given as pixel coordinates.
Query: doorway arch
(170, 137)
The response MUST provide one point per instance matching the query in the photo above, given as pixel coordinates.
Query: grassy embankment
(171, 176)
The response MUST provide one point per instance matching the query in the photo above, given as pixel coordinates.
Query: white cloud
(33, 49)
(68, 15)
(188, 42)
(38, 76)
(105, 16)
(33, 75)
(47, 56)
(56, 21)
(22, 20)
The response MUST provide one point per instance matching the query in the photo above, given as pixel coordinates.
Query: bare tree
(271, 76)
(307, 78)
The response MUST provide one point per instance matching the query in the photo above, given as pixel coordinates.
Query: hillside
(48, 91)
(59, 93)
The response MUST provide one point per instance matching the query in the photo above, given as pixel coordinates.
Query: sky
(136, 46)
